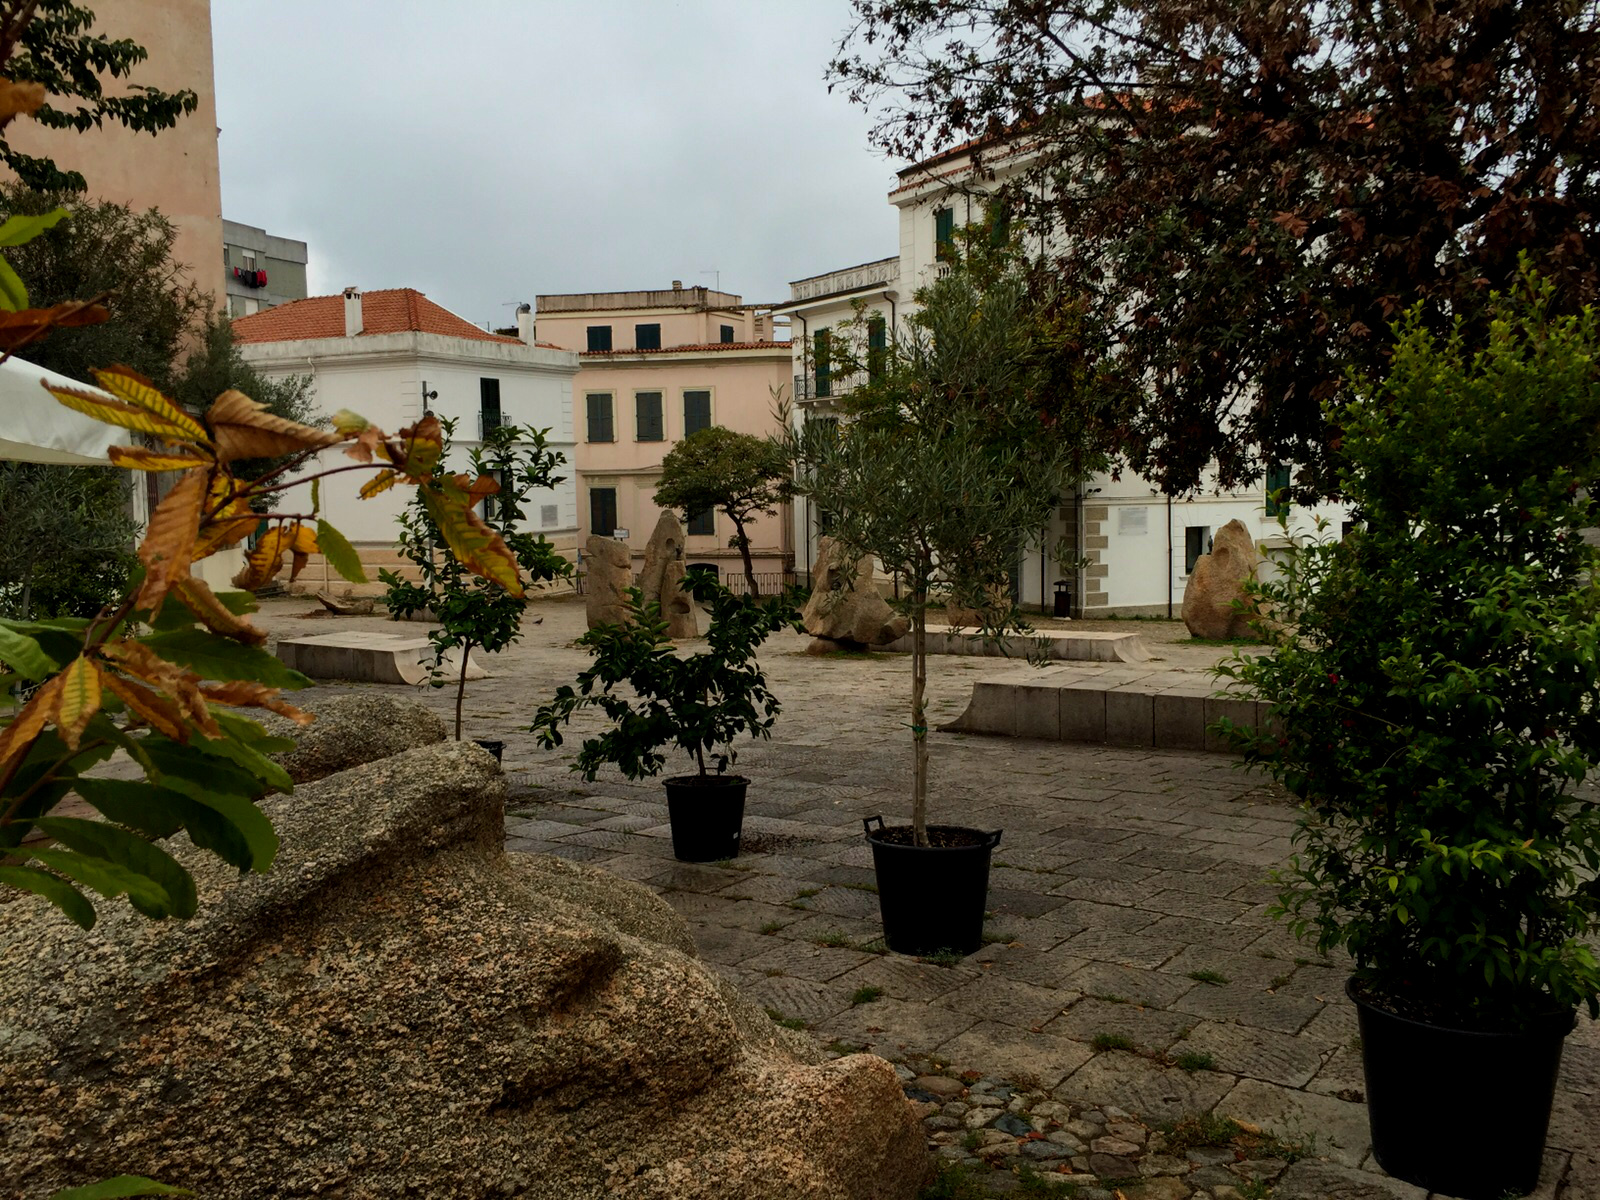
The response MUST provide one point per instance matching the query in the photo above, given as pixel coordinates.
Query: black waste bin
(1063, 599)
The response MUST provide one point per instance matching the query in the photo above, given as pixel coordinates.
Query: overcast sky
(486, 151)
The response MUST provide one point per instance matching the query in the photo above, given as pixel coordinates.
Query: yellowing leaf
(128, 385)
(16, 737)
(266, 560)
(240, 693)
(228, 515)
(153, 708)
(17, 99)
(199, 599)
(243, 428)
(476, 546)
(423, 446)
(168, 545)
(347, 423)
(115, 412)
(180, 683)
(135, 458)
(80, 699)
(381, 482)
(17, 329)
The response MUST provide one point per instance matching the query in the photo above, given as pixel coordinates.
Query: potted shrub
(697, 702)
(938, 467)
(471, 612)
(1435, 706)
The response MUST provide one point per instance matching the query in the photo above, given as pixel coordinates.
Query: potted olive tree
(698, 703)
(511, 463)
(1435, 706)
(961, 442)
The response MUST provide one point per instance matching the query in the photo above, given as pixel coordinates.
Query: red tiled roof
(703, 348)
(391, 310)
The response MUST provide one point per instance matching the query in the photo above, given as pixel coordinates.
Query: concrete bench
(1160, 710)
(1055, 644)
(369, 657)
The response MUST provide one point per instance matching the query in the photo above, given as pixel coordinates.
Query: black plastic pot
(1428, 1087)
(932, 897)
(707, 813)
(493, 747)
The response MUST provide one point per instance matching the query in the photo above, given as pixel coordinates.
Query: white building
(394, 355)
(1135, 545)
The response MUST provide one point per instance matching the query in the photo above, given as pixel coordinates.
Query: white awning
(35, 427)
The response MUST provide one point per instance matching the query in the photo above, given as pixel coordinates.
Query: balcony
(488, 421)
(822, 385)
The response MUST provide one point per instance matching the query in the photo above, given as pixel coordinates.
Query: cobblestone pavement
(1131, 965)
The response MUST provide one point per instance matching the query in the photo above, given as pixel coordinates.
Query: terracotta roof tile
(390, 310)
(702, 348)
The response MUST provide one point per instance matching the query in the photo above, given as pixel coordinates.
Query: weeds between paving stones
(771, 927)
(786, 1022)
(1113, 1041)
(942, 958)
(864, 995)
(1193, 1061)
(1247, 1141)
(1208, 976)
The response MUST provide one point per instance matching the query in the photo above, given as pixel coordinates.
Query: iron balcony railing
(821, 385)
(488, 422)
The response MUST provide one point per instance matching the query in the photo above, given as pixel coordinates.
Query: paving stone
(1257, 1053)
(1312, 1180)
(1148, 1028)
(1007, 1001)
(719, 943)
(1130, 984)
(1038, 1058)
(1152, 1092)
(805, 961)
(1332, 1128)
(1042, 968)
(1247, 970)
(894, 1028)
(1122, 949)
(1249, 1006)
(906, 979)
(799, 998)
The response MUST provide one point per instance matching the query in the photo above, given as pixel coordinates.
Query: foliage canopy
(738, 474)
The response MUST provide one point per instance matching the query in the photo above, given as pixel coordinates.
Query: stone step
(1054, 644)
(1166, 712)
(369, 657)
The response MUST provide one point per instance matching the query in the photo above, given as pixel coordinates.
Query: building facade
(259, 269)
(393, 356)
(655, 367)
(1118, 546)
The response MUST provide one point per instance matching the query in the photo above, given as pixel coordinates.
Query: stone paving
(1131, 963)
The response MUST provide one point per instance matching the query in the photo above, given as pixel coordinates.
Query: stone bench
(369, 657)
(1160, 710)
(1054, 644)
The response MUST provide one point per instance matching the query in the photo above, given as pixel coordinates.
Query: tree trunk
(743, 542)
(461, 685)
(919, 716)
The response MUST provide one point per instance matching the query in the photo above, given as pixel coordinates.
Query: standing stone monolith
(662, 577)
(845, 610)
(1217, 581)
(608, 573)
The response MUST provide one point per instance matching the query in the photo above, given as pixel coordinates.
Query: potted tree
(472, 613)
(697, 702)
(960, 442)
(1433, 693)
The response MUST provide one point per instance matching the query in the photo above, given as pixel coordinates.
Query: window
(549, 514)
(647, 337)
(696, 412)
(603, 511)
(488, 406)
(877, 346)
(727, 335)
(599, 337)
(224, 256)
(1277, 480)
(821, 360)
(1196, 541)
(600, 429)
(702, 523)
(649, 425)
(944, 233)
(492, 504)
(249, 260)
(998, 215)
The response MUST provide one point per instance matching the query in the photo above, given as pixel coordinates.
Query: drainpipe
(1077, 548)
(805, 341)
(1169, 556)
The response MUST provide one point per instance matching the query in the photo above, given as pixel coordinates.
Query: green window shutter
(696, 412)
(647, 411)
(1277, 481)
(599, 337)
(703, 523)
(944, 232)
(877, 346)
(821, 350)
(602, 511)
(726, 332)
(647, 337)
(600, 428)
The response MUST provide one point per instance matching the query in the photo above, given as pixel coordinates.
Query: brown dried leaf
(239, 693)
(381, 482)
(180, 683)
(265, 561)
(16, 737)
(422, 445)
(151, 707)
(19, 99)
(199, 599)
(17, 329)
(169, 539)
(135, 458)
(243, 428)
(229, 517)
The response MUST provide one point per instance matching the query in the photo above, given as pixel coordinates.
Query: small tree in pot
(510, 465)
(698, 703)
(959, 446)
(1435, 698)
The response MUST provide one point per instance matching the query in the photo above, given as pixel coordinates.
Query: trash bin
(1063, 599)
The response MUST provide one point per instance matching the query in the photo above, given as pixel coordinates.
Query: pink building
(654, 367)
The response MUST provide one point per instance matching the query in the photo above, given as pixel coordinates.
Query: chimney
(525, 323)
(677, 285)
(352, 311)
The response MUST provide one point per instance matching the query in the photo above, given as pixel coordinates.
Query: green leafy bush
(1435, 691)
(696, 702)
